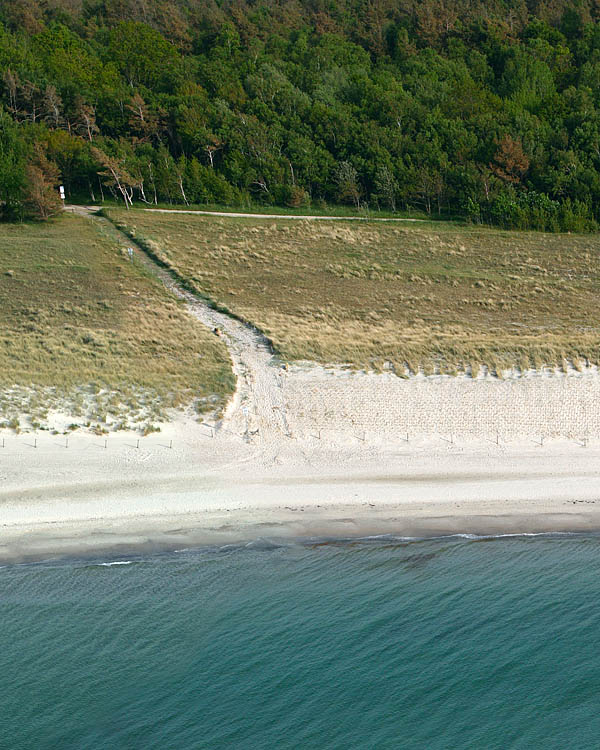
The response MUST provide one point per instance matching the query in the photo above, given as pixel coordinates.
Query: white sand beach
(311, 451)
(88, 498)
(316, 454)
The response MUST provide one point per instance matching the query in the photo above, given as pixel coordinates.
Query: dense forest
(485, 110)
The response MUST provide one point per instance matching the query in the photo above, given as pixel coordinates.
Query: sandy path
(306, 217)
(86, 210)
(257, 411)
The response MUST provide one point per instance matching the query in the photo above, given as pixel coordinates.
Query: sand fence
(382, 406)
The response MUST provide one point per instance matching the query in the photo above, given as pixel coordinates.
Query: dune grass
(431, 297)
(80, 322)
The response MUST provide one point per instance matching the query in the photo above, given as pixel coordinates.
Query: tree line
(484, 110)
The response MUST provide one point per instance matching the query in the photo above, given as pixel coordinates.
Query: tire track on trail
(257, 411)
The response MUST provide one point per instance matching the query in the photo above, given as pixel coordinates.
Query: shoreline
(37, 543)
(91, 501)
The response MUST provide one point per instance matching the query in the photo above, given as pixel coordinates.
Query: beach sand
(87, 499)
(310, 451)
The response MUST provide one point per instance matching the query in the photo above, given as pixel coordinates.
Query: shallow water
(380, 643)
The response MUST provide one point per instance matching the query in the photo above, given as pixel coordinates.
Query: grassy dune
(431, 296)
(79, 321)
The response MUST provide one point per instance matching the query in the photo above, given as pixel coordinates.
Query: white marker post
(130, 253)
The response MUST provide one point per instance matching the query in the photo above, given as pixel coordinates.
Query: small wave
(458, 535)
(116, 562)
(494, 536)
(475, 537)
(530, 533)
(385, 538)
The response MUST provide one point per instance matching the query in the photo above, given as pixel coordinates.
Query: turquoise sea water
(447, 643)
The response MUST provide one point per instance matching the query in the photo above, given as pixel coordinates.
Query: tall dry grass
(83, 326)
(435, 297)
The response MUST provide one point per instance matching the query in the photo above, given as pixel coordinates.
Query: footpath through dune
(257, 410)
